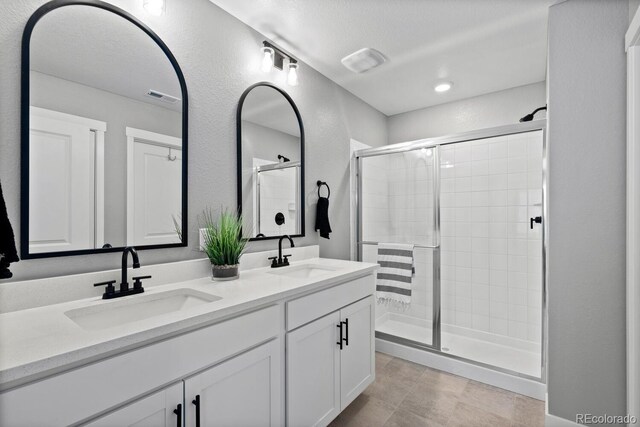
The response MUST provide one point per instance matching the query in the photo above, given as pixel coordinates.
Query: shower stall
(471, 205)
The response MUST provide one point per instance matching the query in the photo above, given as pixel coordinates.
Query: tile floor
(406, 395)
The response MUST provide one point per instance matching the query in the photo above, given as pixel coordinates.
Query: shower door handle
(537, 220)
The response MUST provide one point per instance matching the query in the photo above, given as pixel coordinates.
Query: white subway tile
(499, 293)
(498, 166)
(498, 277)
(479, 260)
(499, 326)
(517, 165)
(480, 183)
(517, 148)
(498, 150)
(518, 313)
(498, 262)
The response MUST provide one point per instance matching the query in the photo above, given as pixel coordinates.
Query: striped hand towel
(395, 274)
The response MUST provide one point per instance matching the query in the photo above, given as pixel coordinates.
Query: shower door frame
(435, 143)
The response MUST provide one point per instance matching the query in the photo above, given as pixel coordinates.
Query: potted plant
(224, 243)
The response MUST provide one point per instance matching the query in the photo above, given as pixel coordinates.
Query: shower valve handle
(537, 220)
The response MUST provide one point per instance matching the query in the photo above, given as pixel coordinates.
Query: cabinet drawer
(81, 393)
(310, 307)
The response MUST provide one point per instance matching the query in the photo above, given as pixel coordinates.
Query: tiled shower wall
(278, 195)
(491, 261)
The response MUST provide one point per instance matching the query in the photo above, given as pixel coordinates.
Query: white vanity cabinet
(247, 347)
(330, 360)
(296, 361)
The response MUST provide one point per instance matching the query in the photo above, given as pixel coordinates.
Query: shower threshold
(504, 353)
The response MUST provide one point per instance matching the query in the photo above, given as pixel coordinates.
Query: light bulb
(292, 76)
(154, 7)
(267, 59)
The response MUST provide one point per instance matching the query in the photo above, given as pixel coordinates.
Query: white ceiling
(481, 45)
(100, 49)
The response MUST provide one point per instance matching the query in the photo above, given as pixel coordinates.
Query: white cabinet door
(357, 363)
(243, 391)
(156, 410)
(313, 369)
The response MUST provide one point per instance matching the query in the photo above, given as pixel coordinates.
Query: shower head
(529, 117)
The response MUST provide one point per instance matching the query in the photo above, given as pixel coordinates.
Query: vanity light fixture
(443, 87)
(292, 76)
(154, 7)
(274, 57)
(267, 59)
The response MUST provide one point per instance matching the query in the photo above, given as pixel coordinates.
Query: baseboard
(552, 420)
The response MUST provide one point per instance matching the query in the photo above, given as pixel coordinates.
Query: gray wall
(485, 111)
(214, 51)
(586, 221)
(118, 112)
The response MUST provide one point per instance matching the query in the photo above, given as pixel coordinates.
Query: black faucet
(280, 260)
(124, 285)
(110, 291)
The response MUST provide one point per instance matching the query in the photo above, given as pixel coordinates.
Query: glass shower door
(397, 195)
(491, 188)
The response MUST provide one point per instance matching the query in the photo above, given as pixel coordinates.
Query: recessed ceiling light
(443, 86)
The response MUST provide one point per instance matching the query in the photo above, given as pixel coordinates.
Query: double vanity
(287, 346)
(292, 345)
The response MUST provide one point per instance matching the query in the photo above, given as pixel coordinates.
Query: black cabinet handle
(339, 325)
(178, 412)
(537, 220)
(346, 327)
(196, 402)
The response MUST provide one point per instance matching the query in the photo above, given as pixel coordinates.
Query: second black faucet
(281, 260)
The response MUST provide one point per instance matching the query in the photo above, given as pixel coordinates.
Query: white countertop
(41, 341)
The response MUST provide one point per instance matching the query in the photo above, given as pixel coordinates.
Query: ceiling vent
(363, 60)
(162, 97)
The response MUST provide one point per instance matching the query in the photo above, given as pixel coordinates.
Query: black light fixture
(529, 117)
(274, 57)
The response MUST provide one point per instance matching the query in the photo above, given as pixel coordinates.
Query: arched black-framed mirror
(270, 163)
(104, 130)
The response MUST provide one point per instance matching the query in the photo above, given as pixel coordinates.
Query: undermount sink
(305, 271)
(136, 308)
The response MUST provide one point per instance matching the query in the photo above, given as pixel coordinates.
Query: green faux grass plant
(224, 241)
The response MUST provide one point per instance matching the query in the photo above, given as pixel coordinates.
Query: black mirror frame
(239, 155)
(24, 112)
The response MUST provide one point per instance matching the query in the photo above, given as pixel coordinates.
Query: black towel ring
(320, 184)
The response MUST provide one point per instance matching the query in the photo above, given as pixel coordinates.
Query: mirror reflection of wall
(271, 164)
(105, 164)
